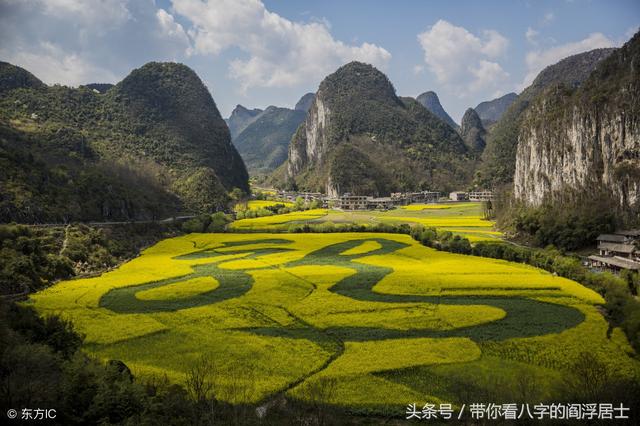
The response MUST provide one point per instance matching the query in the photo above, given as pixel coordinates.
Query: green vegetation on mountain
(13, 77)
(98, 87)
(499, 157)
(263, 144)
(472, 131)
(151, 146)
(360, 137)
(305, 102)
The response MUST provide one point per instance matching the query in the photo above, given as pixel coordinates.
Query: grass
(391, 320)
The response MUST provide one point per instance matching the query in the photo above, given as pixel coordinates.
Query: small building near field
(613, 263)
(617, 251)
(459, 196)
(382, 203)
(481, 196)
(353, 202)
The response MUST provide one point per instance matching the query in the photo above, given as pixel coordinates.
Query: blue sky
(260, 53)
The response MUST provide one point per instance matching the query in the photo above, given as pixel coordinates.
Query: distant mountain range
(491, 111)
(263, 143)
(150, 146)
(262, 137)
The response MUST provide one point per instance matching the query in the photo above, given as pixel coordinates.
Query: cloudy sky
(259, 53)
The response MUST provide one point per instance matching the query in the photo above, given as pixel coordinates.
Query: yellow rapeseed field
(292, 311)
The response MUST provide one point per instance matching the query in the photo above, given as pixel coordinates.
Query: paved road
(127, 222)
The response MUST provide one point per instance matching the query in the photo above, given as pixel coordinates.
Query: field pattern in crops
(280, 312)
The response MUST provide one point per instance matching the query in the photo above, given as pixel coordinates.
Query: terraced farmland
(391, 320)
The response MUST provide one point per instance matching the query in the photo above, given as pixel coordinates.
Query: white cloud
(531, 36)
(460, 59)
(92, 12)
(537, 60)
(53, 65)
(80, 41)
(170, 28)
(487, 74)
(548, 18)
(280, 52)
(418, 69)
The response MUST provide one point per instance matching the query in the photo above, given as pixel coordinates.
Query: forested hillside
(151, 146)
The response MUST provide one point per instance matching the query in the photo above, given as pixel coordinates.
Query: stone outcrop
(573, 142)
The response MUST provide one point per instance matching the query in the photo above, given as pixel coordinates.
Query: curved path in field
(524, 317)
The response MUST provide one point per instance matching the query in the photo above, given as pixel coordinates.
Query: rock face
(240, 118)
(576, 142)
(263, 144)
(491, 111)
(472, 131)
(430, 101)
(499, 156)
(305, 102)
(359, 137)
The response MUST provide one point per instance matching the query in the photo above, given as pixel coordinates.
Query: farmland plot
(386, 320)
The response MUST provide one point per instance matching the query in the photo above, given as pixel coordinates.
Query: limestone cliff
(576, 141)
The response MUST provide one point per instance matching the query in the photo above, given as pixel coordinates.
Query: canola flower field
(465, 219)
(261, 204)
(385, 319)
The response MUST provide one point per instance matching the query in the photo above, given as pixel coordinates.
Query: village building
(459, 196)
(404, 198)
(617, 251)
(353, 202)
(382, 203)
(481, 196)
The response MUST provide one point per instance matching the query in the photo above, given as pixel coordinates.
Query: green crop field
(379, 318)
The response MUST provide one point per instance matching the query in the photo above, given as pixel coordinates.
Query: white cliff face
(309, 145)
(582, 150)
(316, 127)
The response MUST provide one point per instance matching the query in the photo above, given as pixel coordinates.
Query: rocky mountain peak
(431, 102)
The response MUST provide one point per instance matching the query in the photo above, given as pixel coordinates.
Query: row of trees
(242, 212)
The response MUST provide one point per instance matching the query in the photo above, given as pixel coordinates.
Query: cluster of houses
(363, 202)
(471, 196)
(617, 251)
